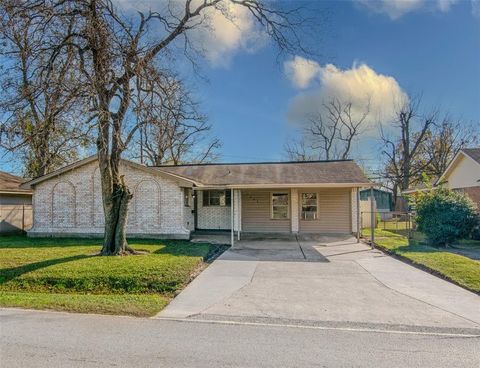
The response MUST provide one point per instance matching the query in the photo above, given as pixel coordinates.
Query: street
(53, 339)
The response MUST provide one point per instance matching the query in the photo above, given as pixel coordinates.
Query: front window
(309, 206)
(279, 206)
(220, 198)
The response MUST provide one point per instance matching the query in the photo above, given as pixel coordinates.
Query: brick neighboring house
(15, 204)
(318, 197)
(463, 174)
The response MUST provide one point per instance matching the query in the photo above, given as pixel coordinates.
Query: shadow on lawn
(8, 274)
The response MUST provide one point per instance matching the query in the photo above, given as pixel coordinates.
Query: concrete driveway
(332, 281)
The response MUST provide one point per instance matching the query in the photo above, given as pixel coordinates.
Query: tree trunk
(115, 204)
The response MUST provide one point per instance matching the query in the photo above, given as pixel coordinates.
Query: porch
(275, 213)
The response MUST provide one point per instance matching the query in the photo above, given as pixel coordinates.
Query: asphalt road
(50, 339)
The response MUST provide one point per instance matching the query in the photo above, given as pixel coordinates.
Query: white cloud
(476, 8)
(398, 8)
(301, 71)
(224, 30)
(359, 85)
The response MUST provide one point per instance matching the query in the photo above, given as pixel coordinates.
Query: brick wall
(353, 198)
(474, 194)
(212, 217)
(71, 204)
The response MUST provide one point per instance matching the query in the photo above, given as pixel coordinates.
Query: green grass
(66, 274)
(457, 268)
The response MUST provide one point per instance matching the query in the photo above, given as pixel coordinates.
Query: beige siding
(334, 211)
(256, 212)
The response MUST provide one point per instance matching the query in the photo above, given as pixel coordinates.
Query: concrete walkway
(334, 281)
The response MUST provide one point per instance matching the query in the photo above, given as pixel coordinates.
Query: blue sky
(389, 48)
(427, 51)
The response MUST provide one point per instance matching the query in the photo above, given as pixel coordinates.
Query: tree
(445, 216)
(422, 144)
(115, 53)
(40, 101)
(444, 141)
(330, 132)
(172, 128)
(404, 162)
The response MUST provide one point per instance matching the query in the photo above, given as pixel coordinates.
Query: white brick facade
(212, 217)
(354, 207)
(70, 203)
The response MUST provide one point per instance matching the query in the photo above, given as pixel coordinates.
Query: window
(309, 206)
(216, 198)
(186, 197)
(279, 206)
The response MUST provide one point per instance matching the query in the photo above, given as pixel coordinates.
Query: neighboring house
(461, 175)
(383, 199)
(15, 204)
(317, 197)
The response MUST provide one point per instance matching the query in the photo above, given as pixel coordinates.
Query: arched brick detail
(63, 204)
(147, 204)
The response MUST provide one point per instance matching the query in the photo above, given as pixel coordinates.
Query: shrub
(445, 216)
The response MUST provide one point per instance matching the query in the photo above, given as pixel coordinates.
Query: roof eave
(295, 185)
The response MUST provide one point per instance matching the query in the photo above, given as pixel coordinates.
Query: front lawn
(66, 274)
(462, 270)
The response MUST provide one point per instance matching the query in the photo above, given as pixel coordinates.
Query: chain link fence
(402, 223)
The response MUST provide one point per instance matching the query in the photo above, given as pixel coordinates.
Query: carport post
(232, 232)
(358, 215)
(372, 216)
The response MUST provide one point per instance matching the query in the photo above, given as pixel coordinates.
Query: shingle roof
(11, 183)
(473, 153)
(272, 173)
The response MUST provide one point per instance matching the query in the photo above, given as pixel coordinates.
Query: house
(318, 197)
(383, 198)
(463, 174)
(15, 204)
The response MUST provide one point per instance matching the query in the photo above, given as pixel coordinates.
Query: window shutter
(228, 198)
(205, 195)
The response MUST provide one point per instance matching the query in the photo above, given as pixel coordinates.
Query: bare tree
(115, 50)
(297, 150)
(330, 132)
(444, 141)
(40, 101)
(404, 153)
(172, 128)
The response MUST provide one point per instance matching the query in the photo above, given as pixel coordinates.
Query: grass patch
(454, 267)
(132, 305)
(65, 274)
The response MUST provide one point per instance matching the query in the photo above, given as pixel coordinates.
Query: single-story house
(318, 197)
(15, 204)
(461, 175)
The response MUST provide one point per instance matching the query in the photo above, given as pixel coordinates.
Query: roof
(338, 173)
(344, 173)
(473, 153)
(11, 184)
(90, 159)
